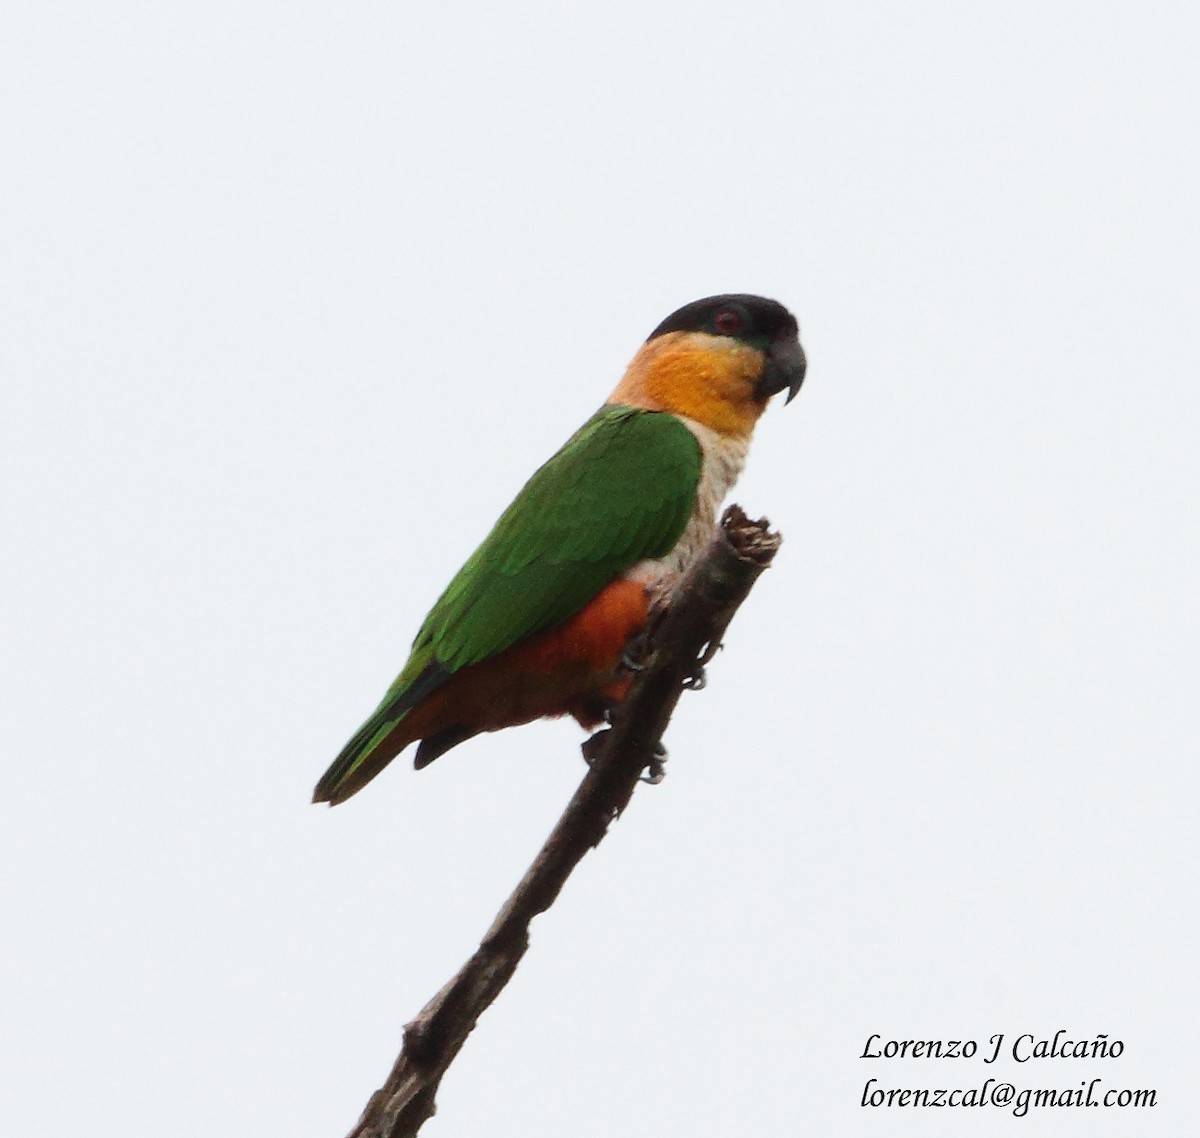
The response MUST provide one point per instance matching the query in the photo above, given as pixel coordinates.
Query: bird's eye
(727, 321)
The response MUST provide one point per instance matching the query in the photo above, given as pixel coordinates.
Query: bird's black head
(753, 320)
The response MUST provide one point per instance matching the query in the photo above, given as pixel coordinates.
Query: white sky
(295, 296)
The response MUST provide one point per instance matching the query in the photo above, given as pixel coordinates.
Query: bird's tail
(367, 753)
(384, 735)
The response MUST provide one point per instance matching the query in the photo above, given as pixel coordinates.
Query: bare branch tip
(751, 540)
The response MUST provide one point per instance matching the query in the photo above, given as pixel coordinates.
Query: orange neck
(709, 379)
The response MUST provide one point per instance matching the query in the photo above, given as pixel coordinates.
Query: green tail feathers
(360, 761)
(376, 742)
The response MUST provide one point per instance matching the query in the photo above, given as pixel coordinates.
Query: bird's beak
(784, 369)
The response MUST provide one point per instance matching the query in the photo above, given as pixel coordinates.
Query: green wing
(621, 490)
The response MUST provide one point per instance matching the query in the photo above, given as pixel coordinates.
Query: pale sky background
(294, 298)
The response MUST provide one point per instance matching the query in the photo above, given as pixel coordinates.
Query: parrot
(537, 622)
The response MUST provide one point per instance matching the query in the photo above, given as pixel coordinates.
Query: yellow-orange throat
(710, 379)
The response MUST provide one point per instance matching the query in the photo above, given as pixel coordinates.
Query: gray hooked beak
(784, 369)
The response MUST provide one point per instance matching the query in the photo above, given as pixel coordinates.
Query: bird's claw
(656, 768)
(710, 650)
(637, 655)
(655, 772)
(698, 680)
(590, 747)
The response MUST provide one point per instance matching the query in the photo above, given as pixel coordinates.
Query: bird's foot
(590, 747)
(630, 664)
(656, 768)
(698, 679)
(638, 655)
(710, 650)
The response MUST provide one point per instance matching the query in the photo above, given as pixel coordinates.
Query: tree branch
(685, 637)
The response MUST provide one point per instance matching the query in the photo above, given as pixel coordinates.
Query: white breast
(722, 459)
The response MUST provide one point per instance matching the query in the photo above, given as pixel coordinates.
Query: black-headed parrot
(537, 621)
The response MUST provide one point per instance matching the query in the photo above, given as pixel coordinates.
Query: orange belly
(573, 668)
